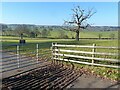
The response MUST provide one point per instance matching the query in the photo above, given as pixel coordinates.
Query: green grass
(85, 34)
(93, 34)
(45, 44)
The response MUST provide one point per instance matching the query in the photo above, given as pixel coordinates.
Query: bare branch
(84, 27)
(81, 12)
(78, 19)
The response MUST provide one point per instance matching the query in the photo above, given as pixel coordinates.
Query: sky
(54, 13)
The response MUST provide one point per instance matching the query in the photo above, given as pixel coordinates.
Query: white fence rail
(63, 52)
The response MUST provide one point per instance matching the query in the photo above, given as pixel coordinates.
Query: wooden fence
(64, 53)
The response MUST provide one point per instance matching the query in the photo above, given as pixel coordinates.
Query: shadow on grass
(48, 44)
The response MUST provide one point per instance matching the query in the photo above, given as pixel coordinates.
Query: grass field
(56, 33)
(45, 44)
(85, 34)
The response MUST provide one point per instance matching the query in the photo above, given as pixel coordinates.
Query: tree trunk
(77, 35)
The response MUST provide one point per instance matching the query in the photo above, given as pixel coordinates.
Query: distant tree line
(35, 32)
(41, 32)
(25, 30)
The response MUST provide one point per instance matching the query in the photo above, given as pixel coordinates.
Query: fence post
(52, 48)
(37, 47)
(93, 52)
(18, 58)
(56, 53)
(53, 52)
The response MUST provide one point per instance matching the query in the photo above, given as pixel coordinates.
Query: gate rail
(18, 58)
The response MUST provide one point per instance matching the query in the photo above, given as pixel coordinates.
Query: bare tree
(79, 20)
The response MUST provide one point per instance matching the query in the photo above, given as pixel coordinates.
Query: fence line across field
(104, 47)
(57, 52)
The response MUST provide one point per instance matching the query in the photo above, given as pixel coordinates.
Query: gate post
(56, 52)
(53, 53)
(18, 56)
(93, 53)
(37, 47)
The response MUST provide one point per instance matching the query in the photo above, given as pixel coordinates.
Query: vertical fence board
(93, 53)
(37, 47)
(18, 56)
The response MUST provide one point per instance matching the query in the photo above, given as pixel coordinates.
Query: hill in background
(57, 31)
